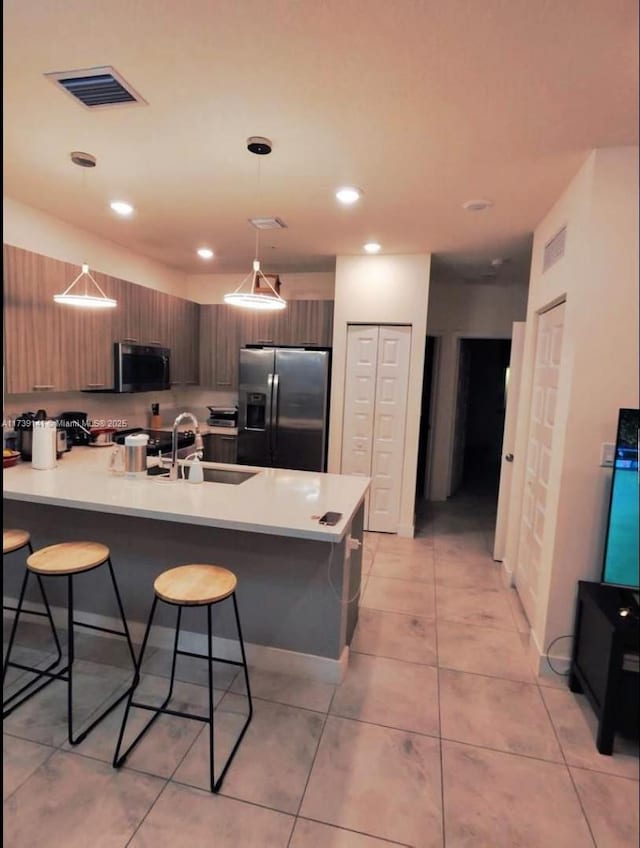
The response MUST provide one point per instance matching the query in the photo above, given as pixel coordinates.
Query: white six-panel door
(538, 459)
(375, 415)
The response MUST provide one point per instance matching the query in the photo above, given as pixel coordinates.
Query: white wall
(462, 310)
(32, 229)
(382, 290)
(211, 288)
(598, 277)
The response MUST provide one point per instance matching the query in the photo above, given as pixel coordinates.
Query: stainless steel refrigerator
(283, 407)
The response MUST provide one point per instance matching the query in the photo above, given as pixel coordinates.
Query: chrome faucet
(198, 445)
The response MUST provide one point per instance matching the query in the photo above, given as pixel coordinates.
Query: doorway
(426, 415)
(480, 413)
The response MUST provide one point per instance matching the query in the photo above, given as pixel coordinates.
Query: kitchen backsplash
(121, 411)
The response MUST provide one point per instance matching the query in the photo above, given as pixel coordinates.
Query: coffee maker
(76, 426)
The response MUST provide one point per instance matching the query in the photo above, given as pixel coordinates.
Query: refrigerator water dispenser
(256, 406)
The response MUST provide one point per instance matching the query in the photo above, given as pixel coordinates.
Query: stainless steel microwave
(141, 368)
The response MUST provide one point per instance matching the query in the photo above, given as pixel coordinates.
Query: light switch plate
(607, 454)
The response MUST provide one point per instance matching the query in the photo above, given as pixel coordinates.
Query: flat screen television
(621, 552)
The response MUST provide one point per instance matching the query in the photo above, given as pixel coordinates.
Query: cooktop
(159, 440)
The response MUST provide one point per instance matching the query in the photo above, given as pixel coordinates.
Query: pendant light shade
(85, 296)
(255, 291)
(249, 298)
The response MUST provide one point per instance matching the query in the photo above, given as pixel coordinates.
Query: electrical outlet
(607, 454)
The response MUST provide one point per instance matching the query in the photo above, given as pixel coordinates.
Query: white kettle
(44, 445)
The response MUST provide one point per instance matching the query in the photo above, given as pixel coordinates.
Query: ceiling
(423, 105)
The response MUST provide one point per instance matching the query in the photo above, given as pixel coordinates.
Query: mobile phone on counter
(330, 518)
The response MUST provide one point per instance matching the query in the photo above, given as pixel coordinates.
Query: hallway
(440, 734)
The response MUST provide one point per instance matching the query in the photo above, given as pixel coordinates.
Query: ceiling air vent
(554, 249)
(97, 88)
(268, 223)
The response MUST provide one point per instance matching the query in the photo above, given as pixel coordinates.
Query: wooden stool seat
(192, 585)
(13, 540)
(68, 558)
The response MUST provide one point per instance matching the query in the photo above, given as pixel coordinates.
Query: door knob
(509, 457)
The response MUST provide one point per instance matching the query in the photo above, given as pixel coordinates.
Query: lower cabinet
(220, 448)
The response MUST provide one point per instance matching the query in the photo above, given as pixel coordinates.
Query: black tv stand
(604, 664)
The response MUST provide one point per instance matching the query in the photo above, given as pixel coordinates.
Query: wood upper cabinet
(208, 325)
(310, 322)
(184, 336)
(225, 329)
(90, 342)
(226, 352)
(33, 323)
(53, 347)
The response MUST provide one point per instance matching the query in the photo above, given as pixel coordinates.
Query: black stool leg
(118, 759)
(71, 657)
(13, 701)
(124, 623)
(14, 625)
(50, 617)
(211, 705)
(46, 614)
(215, 786)
(244, 657)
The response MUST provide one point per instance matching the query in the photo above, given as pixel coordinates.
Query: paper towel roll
(43, 450)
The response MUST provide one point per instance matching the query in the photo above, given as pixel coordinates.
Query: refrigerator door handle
(274, 414)
(268, 423)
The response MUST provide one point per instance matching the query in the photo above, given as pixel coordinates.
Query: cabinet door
(33, 323)
(156, 319)
(208, 323)
(227, 348)
(226, 449)
(91, 342)
(184, 335)
(190, 341)
(310, 322)
(133, 302)
(263, 327)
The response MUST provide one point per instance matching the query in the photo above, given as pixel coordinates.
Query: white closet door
(392, 377)
(359, 400)
(538, 461)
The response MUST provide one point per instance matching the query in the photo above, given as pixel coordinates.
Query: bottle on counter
(195, 471)
(156, 420)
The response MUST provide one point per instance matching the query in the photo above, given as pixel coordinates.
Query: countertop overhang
(275, 501)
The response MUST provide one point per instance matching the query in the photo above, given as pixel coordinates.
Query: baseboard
(540, 660)
(407, 531)
(506, 573)
(264, 657)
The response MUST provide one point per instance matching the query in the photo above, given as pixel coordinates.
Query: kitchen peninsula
(298, 580)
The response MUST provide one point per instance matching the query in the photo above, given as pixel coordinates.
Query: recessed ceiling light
(348, 195)
(121, 207)
(477, 205)
(372, 247)
(205, 253)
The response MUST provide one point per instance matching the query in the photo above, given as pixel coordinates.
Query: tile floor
(440, 735)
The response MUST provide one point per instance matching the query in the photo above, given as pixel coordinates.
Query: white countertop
(276, 501)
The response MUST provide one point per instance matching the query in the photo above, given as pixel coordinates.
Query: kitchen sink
(221, 475)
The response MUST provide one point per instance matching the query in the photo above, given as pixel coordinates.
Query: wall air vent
(97, 88)
(554, 249)
(268, 223)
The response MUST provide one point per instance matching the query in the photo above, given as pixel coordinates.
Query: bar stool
(13, 541)
(67, 559)
(183, 586)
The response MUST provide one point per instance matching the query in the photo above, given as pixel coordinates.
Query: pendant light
(255, 291)
(85, 296)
